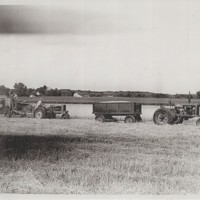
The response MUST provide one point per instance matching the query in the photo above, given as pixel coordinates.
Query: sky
(103, 45)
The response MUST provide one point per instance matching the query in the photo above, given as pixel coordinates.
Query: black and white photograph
(100, 97)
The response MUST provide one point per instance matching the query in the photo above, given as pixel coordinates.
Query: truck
(104, 111)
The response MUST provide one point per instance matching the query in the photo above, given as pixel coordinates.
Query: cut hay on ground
(80, 156)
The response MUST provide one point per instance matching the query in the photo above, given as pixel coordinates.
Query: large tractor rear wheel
(162, 117)
(40, 113)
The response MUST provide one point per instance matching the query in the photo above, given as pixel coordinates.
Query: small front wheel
(65, 116)
(100, 118)
(129, 119)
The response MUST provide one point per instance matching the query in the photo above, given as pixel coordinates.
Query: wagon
(104, 111)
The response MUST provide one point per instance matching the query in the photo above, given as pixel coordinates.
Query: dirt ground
(81, 156)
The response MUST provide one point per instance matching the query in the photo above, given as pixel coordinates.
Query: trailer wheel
(100, 118)
(198, 122)
(65, 116)
(162, 117)
(39, 113)
(129, 119)
(138, 118)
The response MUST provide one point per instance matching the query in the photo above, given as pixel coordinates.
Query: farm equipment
(104, 111)
(24, 109)
(60, 111)
(176, 114)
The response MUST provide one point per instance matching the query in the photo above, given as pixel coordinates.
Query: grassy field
(81, 156)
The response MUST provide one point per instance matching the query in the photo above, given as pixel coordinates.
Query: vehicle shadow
(39, 147)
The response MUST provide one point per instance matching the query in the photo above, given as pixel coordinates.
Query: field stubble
(80, 156)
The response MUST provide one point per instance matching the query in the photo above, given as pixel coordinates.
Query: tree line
(22, 90)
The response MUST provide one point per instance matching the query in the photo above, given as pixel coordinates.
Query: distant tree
(4, 90)
(54, 92)
(20, 89)
(178, 96)
(140, 95)
(160, 95)
(183, 96)
(42, 90)
(93, 94)
(57, 92)
(119, 94)
(33, 93)
(198, 94)
(129, 94)
(50, 92)
(66, 92)
(29, 91)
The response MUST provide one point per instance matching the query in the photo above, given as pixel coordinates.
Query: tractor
(176, 114)
(38, 111)
(60, 111)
